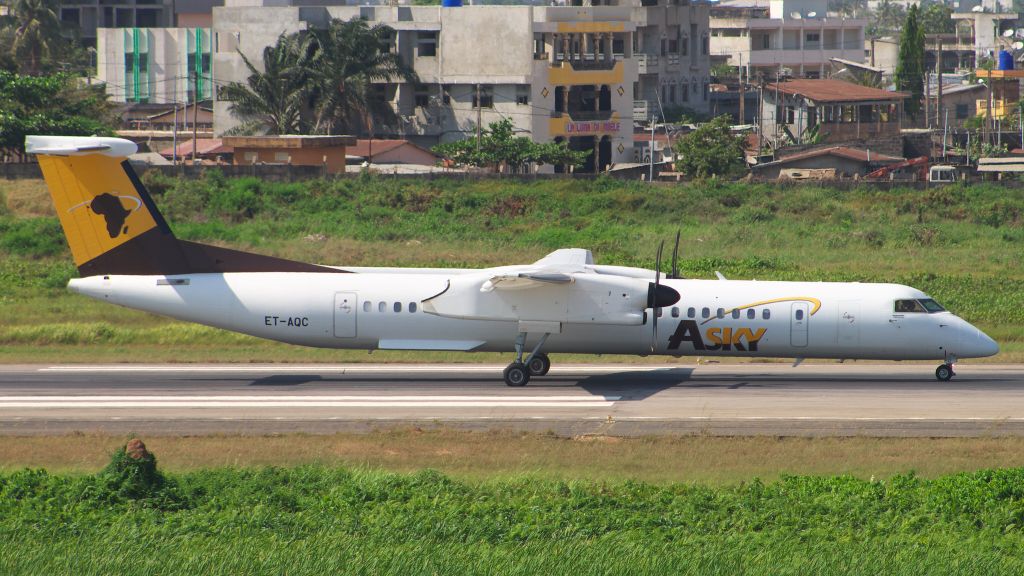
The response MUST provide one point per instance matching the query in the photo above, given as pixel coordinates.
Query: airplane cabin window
(931, 305)
(366, 306)
(766, 314)
(412, 307)
(675, 312)
(691, 312)
(382, 307)
(720, 313)
(751, 314)
(398, 306)
(799, 314)
(905, 306)
(735, 313)
(704, 313)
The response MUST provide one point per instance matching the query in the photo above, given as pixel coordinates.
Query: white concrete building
(155, 65)
(795, 37)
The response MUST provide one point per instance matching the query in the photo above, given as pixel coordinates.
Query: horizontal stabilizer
(80, 146)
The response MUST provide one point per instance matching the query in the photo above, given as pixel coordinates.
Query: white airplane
(564, 302)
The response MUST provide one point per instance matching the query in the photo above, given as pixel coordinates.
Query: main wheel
(516, 374)
(539, 365)
(944, 373)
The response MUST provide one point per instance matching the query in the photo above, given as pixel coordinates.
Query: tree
(710, 150)
(937, 18)
(886, 19)
(271, 100)
(344, 64)
(36, 41)
(909, 74)
(500, 149)
(57, 104)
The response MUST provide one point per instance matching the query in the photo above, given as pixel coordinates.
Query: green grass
(964, 245)
(316, 520)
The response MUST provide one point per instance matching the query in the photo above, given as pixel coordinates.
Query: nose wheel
(944, 373)
(518, 373)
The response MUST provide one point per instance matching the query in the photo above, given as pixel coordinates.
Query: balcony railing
(641, 110)
(589, 62)
(646, 63)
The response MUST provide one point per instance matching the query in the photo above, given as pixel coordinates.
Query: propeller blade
(652, 296)
(675, 258)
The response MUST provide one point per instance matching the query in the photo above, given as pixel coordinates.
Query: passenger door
(345, 306)
(798, 325)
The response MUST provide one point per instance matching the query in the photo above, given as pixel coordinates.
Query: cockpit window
(926, 305)
(903, 306)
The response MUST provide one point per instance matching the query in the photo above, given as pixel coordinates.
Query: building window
(685, 92)
(705, 44)
(684, 45)
(523, 94)
(672, 94)
(426, 44)
(422, 96)
(962, 112)
(813, 37)
(486, 93)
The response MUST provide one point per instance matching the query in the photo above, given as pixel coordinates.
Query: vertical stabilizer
(111, 222)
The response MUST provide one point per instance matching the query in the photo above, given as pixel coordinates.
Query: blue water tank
(1005, 60)
(451, 3)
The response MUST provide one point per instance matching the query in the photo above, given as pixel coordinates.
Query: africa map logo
(110, 208)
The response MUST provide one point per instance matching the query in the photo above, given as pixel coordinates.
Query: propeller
(675, 259)
(653, 295)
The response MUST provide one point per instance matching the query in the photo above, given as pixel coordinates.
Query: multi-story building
(783, 37)
(90, 15)
(578, 74)
(156, 65)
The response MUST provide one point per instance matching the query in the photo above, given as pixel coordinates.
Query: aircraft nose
(977, 344)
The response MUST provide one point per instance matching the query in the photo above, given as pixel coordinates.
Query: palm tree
(36, 33)
(344, 64)
(271, 100)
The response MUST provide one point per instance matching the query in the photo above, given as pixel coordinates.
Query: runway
(628, 400)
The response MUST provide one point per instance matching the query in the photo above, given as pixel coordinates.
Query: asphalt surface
(765, 399)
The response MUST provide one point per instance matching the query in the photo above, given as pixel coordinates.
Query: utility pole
(174, 136)
(650, 173)
(938, 74)
(195, 115)
(743, 94)
(479, 116)
(927, 99)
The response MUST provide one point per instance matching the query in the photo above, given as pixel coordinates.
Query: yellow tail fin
(98, 198)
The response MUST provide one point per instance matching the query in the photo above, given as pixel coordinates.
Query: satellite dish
(977, 9)
(812, 14)
(1008, 33)
(795, 15)
(1018, 45)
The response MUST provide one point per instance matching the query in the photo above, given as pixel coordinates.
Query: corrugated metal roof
(858, 154)
(833, 91)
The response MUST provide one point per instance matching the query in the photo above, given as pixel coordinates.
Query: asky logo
(113, 212)
(716, 338)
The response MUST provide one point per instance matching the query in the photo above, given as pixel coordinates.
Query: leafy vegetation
(909, 74)
(711, 150)
(56, 104)
(500, 150)
(129, 519)
(320, 82)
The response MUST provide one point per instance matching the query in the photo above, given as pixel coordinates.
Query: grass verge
(131, 519)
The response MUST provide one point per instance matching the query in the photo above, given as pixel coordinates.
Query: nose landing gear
(518, 373)
(945, 373)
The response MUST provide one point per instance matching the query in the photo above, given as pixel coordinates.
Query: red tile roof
(204, 147)
(857, 154)
(833, 91)
(380, 146)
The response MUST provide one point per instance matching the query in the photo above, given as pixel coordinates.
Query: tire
(540, 365)
(944, 373)
(516, 375)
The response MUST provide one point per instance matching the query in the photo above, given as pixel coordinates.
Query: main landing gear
(518, 373)
(945, 373)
